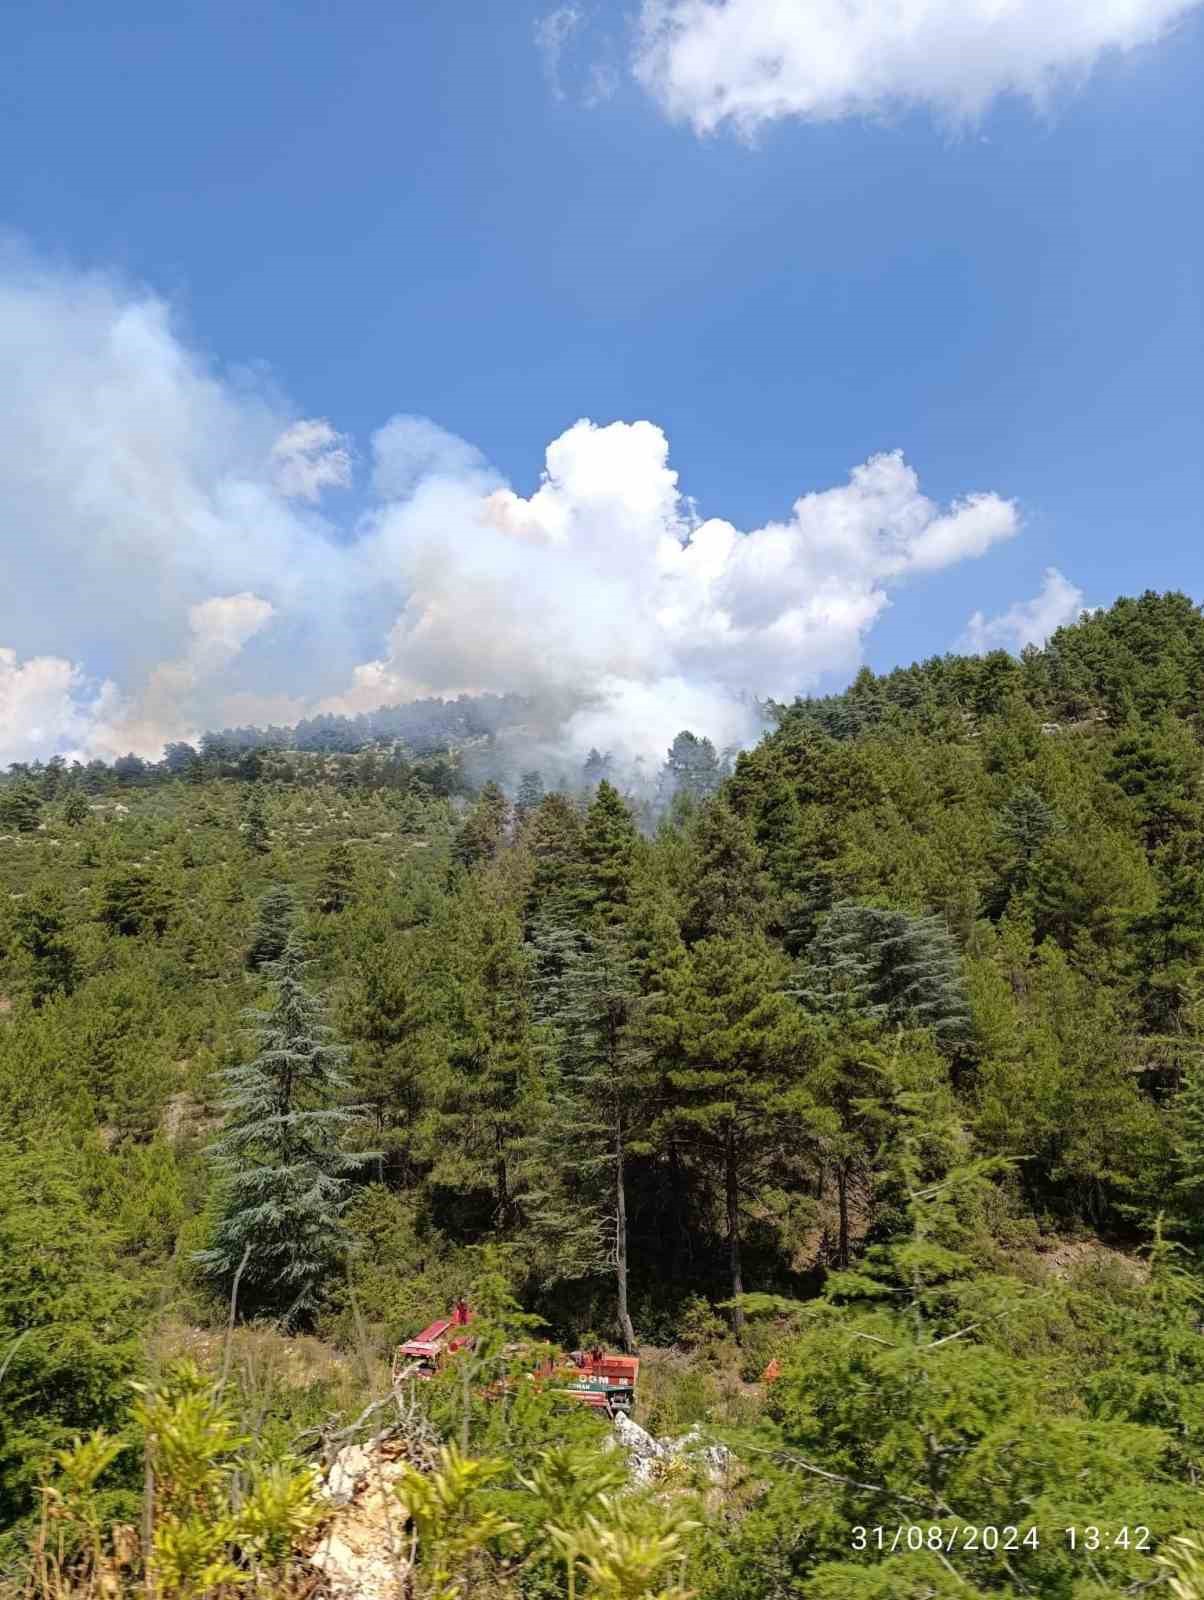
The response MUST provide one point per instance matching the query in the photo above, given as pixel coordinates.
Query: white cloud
(150, 543)
(750, 62)
(552, 33)
(1027, 621)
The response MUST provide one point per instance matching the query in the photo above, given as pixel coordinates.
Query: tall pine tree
(579, 1199)
(483, 832)
(483, 1111)
(283, 1175)
(726, 889)
(609, 846)
(733, 1051)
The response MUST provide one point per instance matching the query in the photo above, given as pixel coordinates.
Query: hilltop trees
(692, 768)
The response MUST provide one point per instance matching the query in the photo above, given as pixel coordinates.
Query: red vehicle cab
(605, 1382)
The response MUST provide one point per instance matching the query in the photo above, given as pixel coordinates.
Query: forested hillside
(879, 1056)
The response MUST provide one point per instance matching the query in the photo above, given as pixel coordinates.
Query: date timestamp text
(986, 1537)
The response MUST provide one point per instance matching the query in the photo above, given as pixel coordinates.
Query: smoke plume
(182, 553)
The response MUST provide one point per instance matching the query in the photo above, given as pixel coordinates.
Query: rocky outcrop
(648, 1457)
(364, 1550)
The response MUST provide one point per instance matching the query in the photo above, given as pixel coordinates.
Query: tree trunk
(502, 1184)
(731, 1175)
(679, 1248)
(842, 1194)
(625, 1327)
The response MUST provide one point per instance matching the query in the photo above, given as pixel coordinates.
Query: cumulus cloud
(1027, 621)
(746, 63)
(167, 575)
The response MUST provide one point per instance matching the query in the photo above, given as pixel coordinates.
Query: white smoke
(309, 457)
(170, 567)
(219, 629)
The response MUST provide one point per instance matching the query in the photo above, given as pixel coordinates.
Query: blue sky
(371, 209)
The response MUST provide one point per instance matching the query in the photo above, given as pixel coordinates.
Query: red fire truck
(593, 1378)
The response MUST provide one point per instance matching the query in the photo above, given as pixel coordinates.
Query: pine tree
(609, 845)
(554, 840)
(1189, 1145)
(75, 807)
(20, 807)
(337, 884)
(254, 821)
(886, 966)
(40, 924)
(277, 912)
(284, 1179)
(851, 1080)
(726, 889)
(483, 831)
(484, 1112)
(530, 793)
(133, 902)
(779, 828)
(732, 1049)
(1026, 822)
(692, 768)
(69, 1313)
(594, 769)
(579, 1196)
(178, 757)
(52, 778)
(1169, 940)
(393, 1022)
(1157, 768)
